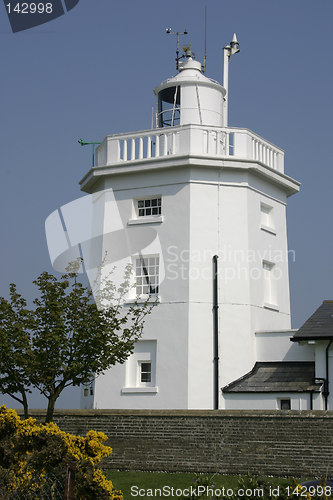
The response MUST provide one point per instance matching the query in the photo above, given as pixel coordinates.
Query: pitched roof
(319, 326)
(278, 376)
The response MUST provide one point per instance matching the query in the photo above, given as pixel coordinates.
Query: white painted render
(268, 401)
(276, 346)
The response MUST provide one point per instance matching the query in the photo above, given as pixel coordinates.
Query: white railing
(233, 143)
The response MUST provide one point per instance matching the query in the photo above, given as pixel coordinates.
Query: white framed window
(146, 210)
(149, 207)
(140, 369)
(269, 285)
(266, 218)
(147, 271)
(144, 373)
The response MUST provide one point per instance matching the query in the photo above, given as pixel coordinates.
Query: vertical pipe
(215, 333)
(226, 57)
(205, 56)
(326, 383)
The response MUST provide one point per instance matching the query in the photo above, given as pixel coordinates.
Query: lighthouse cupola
(190, 97)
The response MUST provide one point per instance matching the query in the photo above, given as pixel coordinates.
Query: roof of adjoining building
(319, 326)
(279, 376)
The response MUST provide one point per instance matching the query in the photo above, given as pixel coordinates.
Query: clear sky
(91, 73)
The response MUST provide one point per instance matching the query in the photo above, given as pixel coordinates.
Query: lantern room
(190, 98)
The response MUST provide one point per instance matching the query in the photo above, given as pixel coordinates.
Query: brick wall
(239, 441)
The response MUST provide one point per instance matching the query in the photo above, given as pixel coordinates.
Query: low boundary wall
(280, 443)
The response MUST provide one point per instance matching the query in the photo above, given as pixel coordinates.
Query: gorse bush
(30, 452)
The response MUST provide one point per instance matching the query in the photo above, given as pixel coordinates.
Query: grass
(152, 480)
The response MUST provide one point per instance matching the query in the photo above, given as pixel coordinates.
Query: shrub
(30, 452)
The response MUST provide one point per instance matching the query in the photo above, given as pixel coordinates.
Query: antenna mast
(205, 56)
(170, 32)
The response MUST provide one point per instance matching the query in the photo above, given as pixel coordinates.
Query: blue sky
(91, 73)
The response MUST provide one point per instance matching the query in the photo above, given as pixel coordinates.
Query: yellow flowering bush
(30, 451)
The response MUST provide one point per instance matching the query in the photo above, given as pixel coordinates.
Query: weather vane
(83, 143)
(170, 32)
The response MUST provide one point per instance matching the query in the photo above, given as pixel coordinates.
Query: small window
(147, 208)
(269, 283)
(285, 404)
(147, 275)
(266, 218)
(145, 372)
(88, 391)
(267, 266)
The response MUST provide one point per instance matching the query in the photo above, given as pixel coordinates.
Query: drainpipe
(216, 333)
(326, 391)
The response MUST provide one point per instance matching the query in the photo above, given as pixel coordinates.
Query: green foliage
(250, 487)
(15, 325)
(29, 452)
(68, 338)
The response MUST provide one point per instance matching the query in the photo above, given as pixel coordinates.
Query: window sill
(133, 390)
(272, 307)
(152, 299)
(146, 220)
(268, 229)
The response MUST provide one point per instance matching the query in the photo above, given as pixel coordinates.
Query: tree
(15, 323)
(68, 338)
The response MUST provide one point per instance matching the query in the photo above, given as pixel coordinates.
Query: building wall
(206, 211)
(264, 401)
(276, 346)
(288, 443)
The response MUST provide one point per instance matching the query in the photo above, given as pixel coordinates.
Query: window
(285, 404)
(145, 372)
(149, 207)
(266, 219)
(88, 391)
(140, 371)
(147, 275)
(269, 285)
(169, 107)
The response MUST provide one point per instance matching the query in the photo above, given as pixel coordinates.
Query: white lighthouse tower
(214, 198)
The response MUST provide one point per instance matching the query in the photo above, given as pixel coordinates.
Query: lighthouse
(203, 207)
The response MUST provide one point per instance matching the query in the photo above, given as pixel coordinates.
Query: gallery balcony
(194, 140)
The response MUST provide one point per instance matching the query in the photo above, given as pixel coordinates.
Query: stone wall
(284, 443)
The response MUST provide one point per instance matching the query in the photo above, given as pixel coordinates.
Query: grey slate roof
(319, 326)
(279, 376)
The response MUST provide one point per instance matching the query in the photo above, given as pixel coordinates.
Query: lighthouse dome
(190, 98)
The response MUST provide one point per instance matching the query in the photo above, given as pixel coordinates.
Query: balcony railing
(224, 143)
